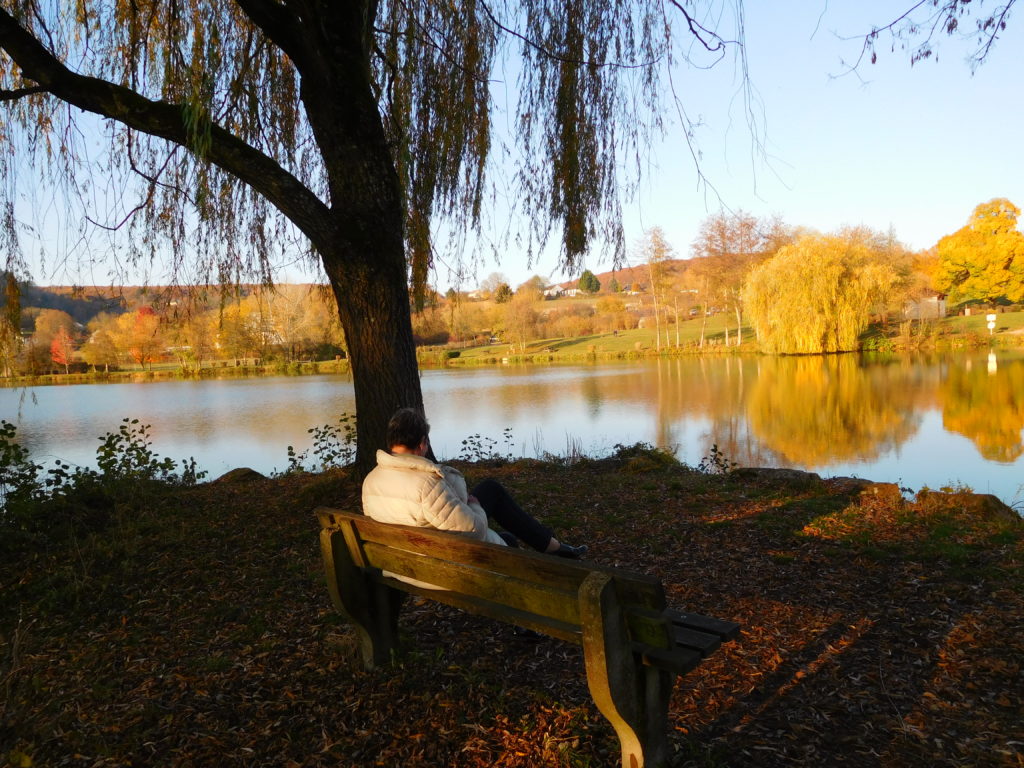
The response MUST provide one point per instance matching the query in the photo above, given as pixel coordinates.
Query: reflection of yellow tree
(987, 408)
(816, 411)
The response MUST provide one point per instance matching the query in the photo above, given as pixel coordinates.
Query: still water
(928, 420)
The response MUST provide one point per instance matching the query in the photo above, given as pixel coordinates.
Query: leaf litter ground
(199, 633)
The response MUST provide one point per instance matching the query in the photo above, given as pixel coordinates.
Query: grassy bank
(719, 336)
(173, 372)
(191, 627)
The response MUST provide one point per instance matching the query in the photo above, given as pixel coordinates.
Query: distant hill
(83, 303)
(637, 274)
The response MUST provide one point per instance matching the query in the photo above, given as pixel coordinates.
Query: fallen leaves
(202, 635)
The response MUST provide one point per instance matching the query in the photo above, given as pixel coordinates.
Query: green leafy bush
(334, 445)
(35, 503)
(717, 463)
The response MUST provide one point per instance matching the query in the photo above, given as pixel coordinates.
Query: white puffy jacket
(412, 490)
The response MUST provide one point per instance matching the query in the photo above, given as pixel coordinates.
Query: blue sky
(915, 148)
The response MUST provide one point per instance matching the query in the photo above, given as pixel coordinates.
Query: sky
(914, 148)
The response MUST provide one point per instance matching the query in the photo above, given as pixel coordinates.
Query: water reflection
(819, 411)
(984, 401)
(924, 420)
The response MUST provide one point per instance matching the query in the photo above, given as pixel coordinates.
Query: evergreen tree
(588, 282)
(503, 294)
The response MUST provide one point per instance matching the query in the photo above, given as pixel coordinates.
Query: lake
(929, 420)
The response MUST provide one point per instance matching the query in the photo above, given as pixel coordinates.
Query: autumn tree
(654, 250)
(534, 286)
(727, 246)
(48, 322)
(99, 350)
(520, 319)
(490, 284)
(612, 313)
(429, 326)
(62, 348)
(10, 325)
(613, 285)
(139, 334)
(190, 338)
(321, 320)
(984, 260)
(815, 295)
(237, 330)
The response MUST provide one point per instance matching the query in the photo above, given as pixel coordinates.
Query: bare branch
(20, 93)
(713, 43)
(945, 18)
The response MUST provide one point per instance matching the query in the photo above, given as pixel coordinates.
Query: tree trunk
(361, 240)
(373, 305)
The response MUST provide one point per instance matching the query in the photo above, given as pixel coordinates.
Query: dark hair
(407, 427)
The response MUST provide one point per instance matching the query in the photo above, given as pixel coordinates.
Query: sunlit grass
(613, 344)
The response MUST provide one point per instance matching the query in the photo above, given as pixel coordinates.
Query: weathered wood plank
(556, 572)
(473, 581)
(702, 642)
(727, 630)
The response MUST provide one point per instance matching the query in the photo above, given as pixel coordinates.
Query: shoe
(571, 552)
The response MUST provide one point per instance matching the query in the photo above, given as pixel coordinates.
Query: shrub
(35, 504)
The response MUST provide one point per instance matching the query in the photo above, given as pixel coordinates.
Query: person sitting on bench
(407, 488)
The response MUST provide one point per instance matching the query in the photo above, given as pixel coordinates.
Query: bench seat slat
(702, 642)
(727, 630)
(475, 582)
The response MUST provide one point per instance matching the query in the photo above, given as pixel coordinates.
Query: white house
(926, 308)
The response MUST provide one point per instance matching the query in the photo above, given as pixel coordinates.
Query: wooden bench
(633, 645)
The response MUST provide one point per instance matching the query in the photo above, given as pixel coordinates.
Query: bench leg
(632, 696)
(371, 607)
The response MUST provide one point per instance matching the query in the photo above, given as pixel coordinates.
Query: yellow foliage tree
(814, 296)
(984, 261)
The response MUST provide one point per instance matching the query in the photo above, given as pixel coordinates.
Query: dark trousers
(502, 508)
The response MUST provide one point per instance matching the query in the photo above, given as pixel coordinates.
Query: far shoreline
(622, 346)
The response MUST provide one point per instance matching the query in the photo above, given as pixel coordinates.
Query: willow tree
(236, 131)
(815, 295)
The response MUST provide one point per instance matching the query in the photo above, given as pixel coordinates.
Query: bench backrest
(515, 585)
